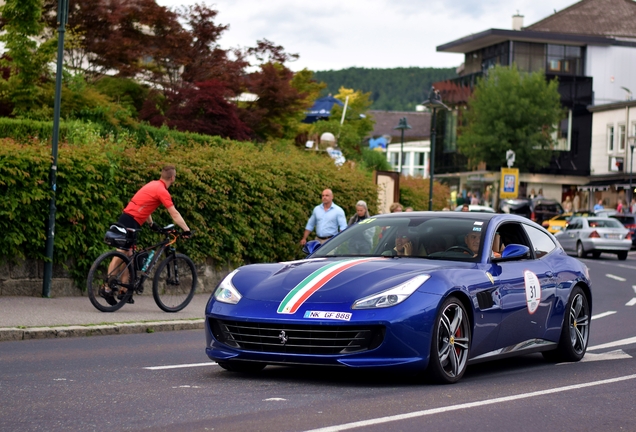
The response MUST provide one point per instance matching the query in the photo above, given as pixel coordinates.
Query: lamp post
(631, 171)
(433, 102)
(402, 124)
(62, 19)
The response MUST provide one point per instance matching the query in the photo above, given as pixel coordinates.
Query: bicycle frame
(139, 277)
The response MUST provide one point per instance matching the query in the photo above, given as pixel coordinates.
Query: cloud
(337, 34)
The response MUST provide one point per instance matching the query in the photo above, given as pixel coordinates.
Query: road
(164, 381)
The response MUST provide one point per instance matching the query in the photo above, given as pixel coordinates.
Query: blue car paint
(407, 341)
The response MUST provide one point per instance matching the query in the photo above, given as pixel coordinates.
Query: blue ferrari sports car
(428, 292)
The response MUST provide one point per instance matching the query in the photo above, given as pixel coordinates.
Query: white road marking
(180, 366)
(632, 302)
(274, 399)
(618, 278)
(603, 315)
(610, 355)
(621, 342)
(415, 414)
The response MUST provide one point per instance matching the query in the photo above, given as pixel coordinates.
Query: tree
(515, 111)
(26, 59)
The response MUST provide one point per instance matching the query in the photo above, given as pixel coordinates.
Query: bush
(247, 203)
(414, 192)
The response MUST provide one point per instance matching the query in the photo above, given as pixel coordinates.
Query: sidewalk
(24, 318)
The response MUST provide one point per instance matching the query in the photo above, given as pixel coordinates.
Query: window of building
(562, 136)
(621, 138)
(563, 59)
(610, 138)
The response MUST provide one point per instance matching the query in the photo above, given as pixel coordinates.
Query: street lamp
(403, 124)
(62, 20)
(631, 170)
(433, 102)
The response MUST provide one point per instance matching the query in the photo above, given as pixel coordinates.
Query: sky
(338, 34)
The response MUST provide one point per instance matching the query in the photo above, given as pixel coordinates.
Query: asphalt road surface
(164, 381)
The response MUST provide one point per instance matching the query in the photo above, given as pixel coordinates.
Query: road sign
(509, 183)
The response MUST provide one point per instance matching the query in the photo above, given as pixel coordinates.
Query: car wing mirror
(514, 252)
(311, 246)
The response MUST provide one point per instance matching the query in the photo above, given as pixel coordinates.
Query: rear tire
(580, 250)
(104, 290)
(174, 283)
(242, 367)
(622, 255)
(575, 332)
(450, 343)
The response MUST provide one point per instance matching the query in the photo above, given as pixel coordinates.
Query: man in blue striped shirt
(327, 218)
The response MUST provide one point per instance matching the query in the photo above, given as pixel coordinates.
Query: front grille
(297, 338)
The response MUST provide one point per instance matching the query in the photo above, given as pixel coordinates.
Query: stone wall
(24, 278)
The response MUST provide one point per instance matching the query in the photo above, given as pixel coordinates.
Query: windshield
(430, 237)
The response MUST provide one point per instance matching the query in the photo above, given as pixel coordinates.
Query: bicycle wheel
(174, 283)
(104, 289)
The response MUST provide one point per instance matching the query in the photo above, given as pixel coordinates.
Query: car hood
(331, 280)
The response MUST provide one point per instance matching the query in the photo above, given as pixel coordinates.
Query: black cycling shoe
(108, 296)
(130, 299)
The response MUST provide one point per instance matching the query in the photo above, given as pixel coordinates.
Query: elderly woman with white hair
(362, 212)
(361, 244)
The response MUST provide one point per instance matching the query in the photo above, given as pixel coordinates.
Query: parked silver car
(595, 235)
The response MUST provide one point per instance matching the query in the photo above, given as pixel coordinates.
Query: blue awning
(321, 109)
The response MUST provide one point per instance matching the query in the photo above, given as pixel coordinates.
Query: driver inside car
(472, 241)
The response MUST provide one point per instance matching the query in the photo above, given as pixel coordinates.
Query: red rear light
(594, 234)
(628, 236)
(546, 224)
(533, 217)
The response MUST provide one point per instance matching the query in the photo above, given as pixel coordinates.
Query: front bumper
(398, 337)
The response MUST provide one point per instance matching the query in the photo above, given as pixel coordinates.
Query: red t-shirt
(147, 199)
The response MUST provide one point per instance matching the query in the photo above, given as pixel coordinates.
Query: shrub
(247, 203)
(414, 192)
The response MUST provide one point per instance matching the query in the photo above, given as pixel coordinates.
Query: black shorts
(128, 221)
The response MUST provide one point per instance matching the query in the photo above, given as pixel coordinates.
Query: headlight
(226, 292)
(391, 296)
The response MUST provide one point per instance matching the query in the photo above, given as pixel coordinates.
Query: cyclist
(139, 210)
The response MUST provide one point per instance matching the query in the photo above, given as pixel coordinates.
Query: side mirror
(311, 246)
(513, 252)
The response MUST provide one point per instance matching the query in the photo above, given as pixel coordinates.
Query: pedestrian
(139, 211)
(598, 205)
(396, 207)
(567, 204)
(326, 218)
(362, 212)
(619, 206)
(474, 200)
(632, 206)
(465, 207)
(408, 209)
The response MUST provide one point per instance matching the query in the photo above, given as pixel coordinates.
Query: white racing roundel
(533, 291)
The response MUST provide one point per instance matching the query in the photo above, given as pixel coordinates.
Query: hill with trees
(396, 89)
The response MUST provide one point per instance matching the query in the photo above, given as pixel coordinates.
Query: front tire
(104, 288)
(451, 343)
(174, 283)
(580, 250)
(575, 331)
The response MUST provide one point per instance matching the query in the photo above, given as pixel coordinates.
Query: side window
(541, 242)
(511, 233)
(573, 225)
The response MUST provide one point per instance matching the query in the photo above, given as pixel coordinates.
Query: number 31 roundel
(533, 291)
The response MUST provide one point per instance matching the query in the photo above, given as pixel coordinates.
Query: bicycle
(173, 284)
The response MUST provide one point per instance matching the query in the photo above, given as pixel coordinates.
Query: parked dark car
(537, 209)
(629, 220)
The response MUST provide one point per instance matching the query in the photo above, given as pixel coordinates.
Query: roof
(386, 121)
(588, 22)
(613, 18)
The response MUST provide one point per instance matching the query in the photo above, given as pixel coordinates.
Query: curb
(16, 333)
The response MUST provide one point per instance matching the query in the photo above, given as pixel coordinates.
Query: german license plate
(342, 316)
(612, 236)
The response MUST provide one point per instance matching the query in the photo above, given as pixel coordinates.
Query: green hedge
(75, 131)
(248, 203)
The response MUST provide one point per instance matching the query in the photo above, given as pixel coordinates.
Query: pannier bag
(120, 237)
